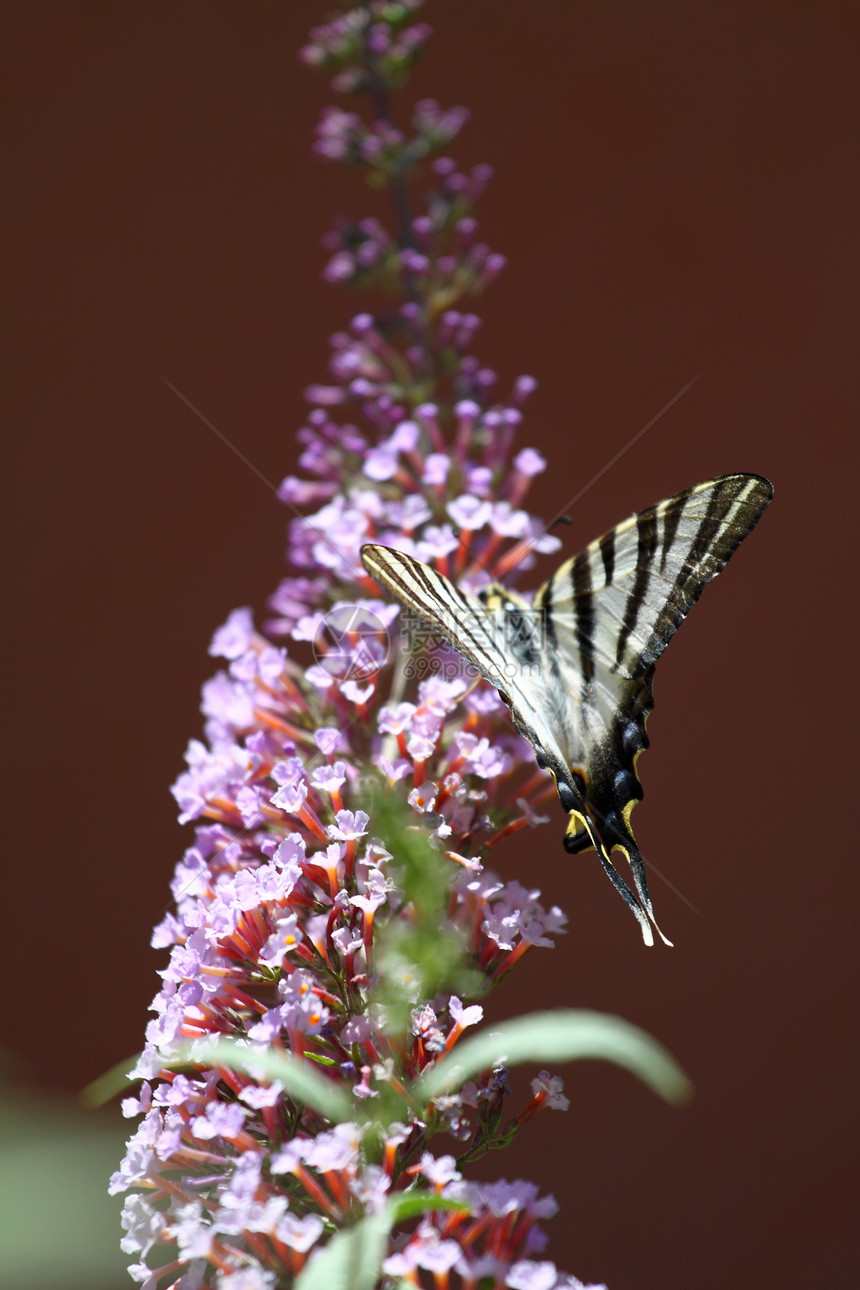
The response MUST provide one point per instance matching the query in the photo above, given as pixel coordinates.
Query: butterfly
(576, 665)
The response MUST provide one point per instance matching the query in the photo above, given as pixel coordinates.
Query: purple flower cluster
(437, 257)
(290, 901)
(481, 1244)
(343, 136)
(372, 45)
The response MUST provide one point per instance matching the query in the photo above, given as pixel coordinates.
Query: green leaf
(423, 876)
(299, 1077)
(418, 961)
(108, 1085)
(426, 954)
(409, 1204)
(566, 1035)
(352, 1259)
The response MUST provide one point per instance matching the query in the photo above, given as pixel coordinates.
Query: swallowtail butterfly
(576, 665)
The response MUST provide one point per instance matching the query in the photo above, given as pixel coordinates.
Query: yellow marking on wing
(495, 595)
(575, 825)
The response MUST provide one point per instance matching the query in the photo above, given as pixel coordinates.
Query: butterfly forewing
(505, 652)
(461, 619)
(622, 599)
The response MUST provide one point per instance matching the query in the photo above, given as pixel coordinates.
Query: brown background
(674, 189)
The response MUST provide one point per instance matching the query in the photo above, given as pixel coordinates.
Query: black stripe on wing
(583, 604)
(646, 526)
(671, 519)
(606, 545)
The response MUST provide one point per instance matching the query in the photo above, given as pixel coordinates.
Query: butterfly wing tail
(637, 867)
(583, 834)
(627, 896)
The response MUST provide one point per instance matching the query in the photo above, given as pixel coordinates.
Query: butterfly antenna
(474, 683)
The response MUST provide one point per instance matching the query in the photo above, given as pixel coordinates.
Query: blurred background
(676, 193)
